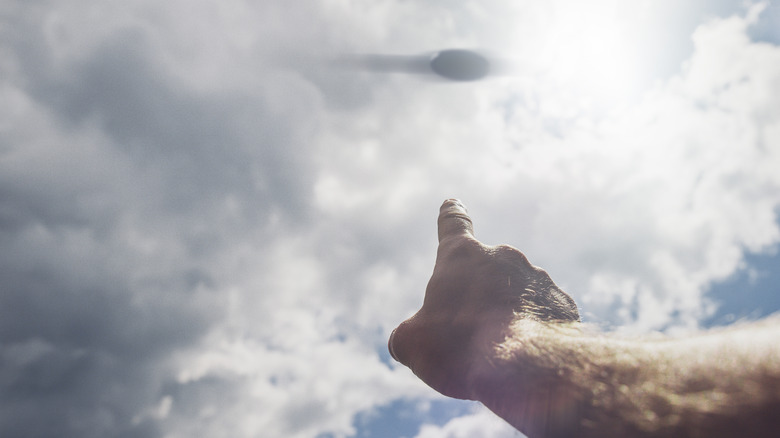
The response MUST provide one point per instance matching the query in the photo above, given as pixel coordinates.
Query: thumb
(454, 220)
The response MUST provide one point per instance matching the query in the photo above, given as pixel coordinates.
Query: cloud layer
(206, 230)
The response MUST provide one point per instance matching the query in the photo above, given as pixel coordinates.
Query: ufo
(461, 65)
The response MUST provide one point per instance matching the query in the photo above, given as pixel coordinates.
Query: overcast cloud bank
(207, 232)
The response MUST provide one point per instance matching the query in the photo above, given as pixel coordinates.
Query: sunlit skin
(496, 329)
(475, 292)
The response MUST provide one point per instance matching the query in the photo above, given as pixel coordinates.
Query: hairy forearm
(552, 380)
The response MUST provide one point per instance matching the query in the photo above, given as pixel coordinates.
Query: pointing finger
(454, 220)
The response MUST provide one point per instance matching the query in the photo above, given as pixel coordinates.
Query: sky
(208, 230)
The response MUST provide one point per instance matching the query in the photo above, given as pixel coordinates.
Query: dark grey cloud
(89, 317)
(201, 146)
(79, 358)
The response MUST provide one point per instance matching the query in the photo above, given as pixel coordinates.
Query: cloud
(121, 188)
(156, 228)
(706, 183)
(207, 231)
(481, 423)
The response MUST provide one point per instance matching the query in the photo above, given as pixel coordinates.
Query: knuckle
(397, 344)
(513, 255)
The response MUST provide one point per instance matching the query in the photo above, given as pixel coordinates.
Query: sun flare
(591, 52)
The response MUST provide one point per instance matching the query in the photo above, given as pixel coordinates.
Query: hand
(474, 295)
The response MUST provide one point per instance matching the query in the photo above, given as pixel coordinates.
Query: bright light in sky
(591, 52)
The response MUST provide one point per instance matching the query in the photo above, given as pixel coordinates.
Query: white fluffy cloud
(480, 423)
(206, 230)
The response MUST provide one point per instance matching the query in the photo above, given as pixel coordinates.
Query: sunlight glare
(590, 53)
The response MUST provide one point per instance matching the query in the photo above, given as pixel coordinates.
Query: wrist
(525, 381)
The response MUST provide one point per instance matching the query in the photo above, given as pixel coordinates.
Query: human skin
(496, 329)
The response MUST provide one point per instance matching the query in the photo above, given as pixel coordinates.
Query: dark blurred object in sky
(460, 65)
(452, 64)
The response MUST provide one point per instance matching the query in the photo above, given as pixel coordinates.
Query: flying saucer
(460, 65)
(453, 64)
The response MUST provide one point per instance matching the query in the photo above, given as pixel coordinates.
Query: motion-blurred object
(452, 64)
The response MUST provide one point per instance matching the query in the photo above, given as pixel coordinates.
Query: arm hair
(554, 380)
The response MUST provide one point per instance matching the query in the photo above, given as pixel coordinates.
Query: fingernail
(455, 201)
